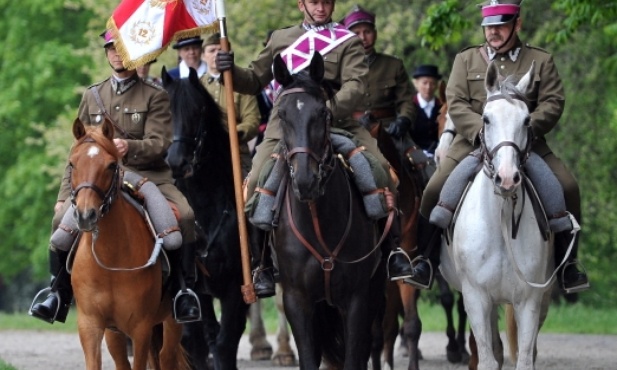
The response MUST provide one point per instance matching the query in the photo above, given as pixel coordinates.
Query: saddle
(367, 174)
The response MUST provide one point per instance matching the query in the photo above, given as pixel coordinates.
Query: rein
(196, 141)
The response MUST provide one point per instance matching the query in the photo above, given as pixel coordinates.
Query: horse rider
(141, 116)
(425, 131)
(466, 95)
(248, 116)
(189, 53)
(344, 66)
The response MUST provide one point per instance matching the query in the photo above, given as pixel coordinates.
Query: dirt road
(43, 350)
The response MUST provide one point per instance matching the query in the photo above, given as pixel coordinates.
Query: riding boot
(399, 264)
(56, 305)
(263, 271)
(571, 279)
(429, 243)
(186, 305)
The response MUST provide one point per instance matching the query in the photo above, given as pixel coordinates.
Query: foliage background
(50, 52)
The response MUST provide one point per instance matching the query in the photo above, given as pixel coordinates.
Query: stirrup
(415, 283)
(577, 288)
(392, 253)
(45, 292)
(191, 293)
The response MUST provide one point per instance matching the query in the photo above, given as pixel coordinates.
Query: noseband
(325, 162)
(489, 155)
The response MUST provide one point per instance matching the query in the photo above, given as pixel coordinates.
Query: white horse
(498, 253)
(445, 140)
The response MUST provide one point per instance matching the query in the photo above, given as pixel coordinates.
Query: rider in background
(189, 53)
(140, 113)
(247, 110)
(466, 95)
(344, 66)
(425, 130)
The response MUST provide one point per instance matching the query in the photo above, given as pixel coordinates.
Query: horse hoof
(261, 354)
(454, 357)
(284, 360)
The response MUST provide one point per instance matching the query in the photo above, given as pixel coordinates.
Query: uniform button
(126, 109)
(117, 107)
(502, 66)
(477, 76)
(503, 59)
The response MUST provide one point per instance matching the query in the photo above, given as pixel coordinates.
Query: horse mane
(324, 90)
(95, 135)
(507, 88)
(186, 95)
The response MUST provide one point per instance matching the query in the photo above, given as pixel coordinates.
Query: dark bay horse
(401, 298)
(200, 159)
(116, 290)
(330, 268)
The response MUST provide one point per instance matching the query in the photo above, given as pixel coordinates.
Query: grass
(5, 366)
(576, 318)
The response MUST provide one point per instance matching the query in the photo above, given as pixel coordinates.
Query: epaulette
(470, 47)
(98, 83)
(536, 48)
(152, 84)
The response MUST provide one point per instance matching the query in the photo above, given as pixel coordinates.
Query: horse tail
(329, 335)
(512, 332)
(156, 344)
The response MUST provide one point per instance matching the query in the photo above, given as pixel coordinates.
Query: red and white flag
(142, 29)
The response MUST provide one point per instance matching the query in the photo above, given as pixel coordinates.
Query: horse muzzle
(86, 220)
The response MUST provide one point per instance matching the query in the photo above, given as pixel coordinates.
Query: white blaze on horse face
(299, 104)
(93, 151)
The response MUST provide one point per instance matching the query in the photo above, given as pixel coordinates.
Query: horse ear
(167, 80)
(193, 78)
(79, 130)
(316, 68)
(281, 73)
(108, 129)
(491, 81)
(526, 82)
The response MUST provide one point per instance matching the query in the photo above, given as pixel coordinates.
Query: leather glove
(224, 60)
(366, 121)
(399, 127)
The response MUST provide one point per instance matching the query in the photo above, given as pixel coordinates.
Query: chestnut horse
(118, 285)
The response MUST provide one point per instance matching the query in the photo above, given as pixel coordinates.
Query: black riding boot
(571, 279)
(263, 270)
(429, 243)
(58, 301)
(186, 305)
(399, 264)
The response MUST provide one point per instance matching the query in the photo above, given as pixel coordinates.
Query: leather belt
(377, 114)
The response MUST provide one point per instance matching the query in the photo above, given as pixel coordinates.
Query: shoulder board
(536, 48)
(98, 83)
(470, 47)
(152, 84)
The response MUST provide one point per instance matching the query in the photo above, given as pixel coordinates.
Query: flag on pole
(143, 29)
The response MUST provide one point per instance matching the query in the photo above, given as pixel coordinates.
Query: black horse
(331, 271)
(200, 159)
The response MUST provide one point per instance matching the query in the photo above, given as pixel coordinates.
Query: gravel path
(44, 350)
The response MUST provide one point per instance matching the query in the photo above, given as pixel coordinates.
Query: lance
(248, 292)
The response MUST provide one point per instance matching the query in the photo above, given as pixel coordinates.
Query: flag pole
(248, 292)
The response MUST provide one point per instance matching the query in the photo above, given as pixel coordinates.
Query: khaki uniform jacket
(143, 112)
(388, 87)
(466, 95)
(344, 66)
(248, 116)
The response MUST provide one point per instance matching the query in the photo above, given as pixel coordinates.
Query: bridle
(106, 196)
(489, 154)
(325, 163)
(196, 142)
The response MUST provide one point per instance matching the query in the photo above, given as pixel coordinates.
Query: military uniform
(388, 92)
(141, 109)
(344, 66)
(247, 115)
(466, 95)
